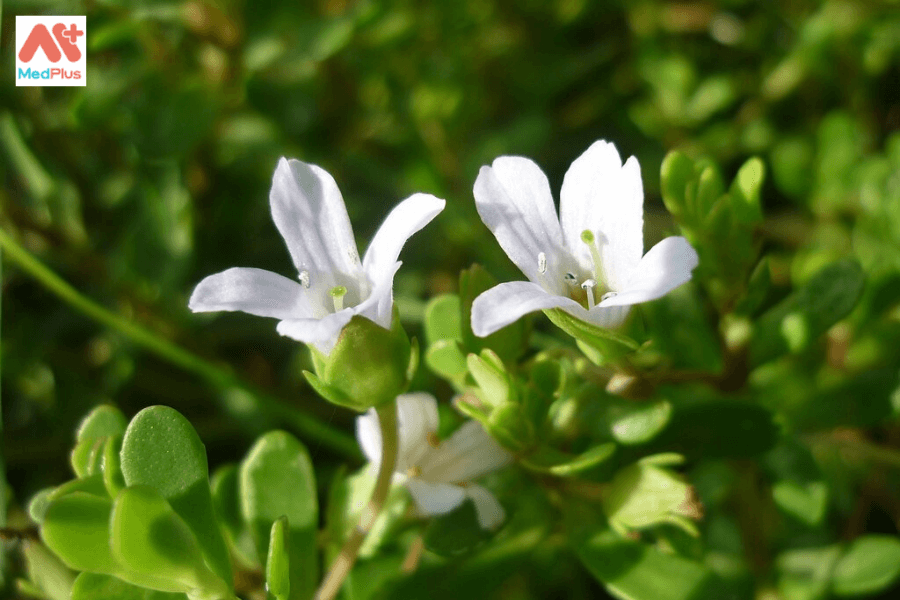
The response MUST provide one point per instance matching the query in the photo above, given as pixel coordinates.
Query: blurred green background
(157, 173)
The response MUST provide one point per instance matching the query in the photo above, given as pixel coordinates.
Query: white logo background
(63, 72)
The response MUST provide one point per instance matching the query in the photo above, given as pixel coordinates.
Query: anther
(304, 278)
(570, 278)
(588, 286)
(608, 295)
(337, 296)
(542, 263)
(433, 440)
(413, 472)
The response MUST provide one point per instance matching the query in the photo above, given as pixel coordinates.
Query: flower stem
(334, 580)
(220, 377)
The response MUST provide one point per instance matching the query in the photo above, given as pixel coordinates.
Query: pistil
(337, 296)
(587, 236)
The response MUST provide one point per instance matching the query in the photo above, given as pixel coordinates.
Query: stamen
(608, 295)
(570, 278)
(589, 286)
(433, 440)
(587, 236)
(304, 278)
(542, 263)
(337, 296)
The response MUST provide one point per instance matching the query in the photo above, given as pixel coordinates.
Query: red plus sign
(72, 33)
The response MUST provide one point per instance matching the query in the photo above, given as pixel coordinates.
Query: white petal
(601, 195)
(508, 302)
(379, 306)
(468, 454)
(489, 511)
(664, 268)
(607, 317)
(417, 417)
(407, 218)
(368, 434)
(514, 200)
(435, 498)
(321, 333)
(253, 291)
(309, 211)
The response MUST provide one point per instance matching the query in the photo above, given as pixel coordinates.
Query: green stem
(221, 378)
(334, 580)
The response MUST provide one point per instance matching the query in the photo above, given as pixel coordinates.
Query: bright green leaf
(278, 564)
(147, 537)
(276, 479)
(638, 572)
(162, 450)
(870, 565)
(94, 586)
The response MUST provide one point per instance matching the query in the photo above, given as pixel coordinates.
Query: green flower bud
(489, 373)
(646, 494)
(369, 366)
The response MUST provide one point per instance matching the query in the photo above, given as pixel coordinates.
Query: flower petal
(489, 511)
(309, 211)
(607, 317)
(407, 218)
(417, 417)
(368, 434)
(601, 195)
(667, 265)
(379, 306)
(507, 302)
(468, 454)
(321, 333)
(435, 498)
(253, 291)
(514, 200)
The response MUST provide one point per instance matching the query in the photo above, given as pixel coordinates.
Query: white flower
(437, 474)
(588, 261)
(309, 212)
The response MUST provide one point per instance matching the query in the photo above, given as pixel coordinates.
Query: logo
(50, 51)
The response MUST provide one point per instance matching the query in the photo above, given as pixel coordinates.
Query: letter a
(39, 38)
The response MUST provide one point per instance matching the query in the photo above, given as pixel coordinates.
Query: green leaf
(111, 466)
(804, 501)
(638, 572)
(456, 532)
(95, 586)
(102, 422)
(147, 537)
(608, 344)
(442, 319)
(870, 565)
(47, 571)
(278, 563)
(637, 423)
(445, 358)
(162, 450)
(37, 506)
(277, 479)
(676, 173)
(809, 312)
(227, 503)
(745, 191)
(76, 528)
(561, 464)
(489, 373)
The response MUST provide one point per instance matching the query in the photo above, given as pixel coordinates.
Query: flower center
(337, 296)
